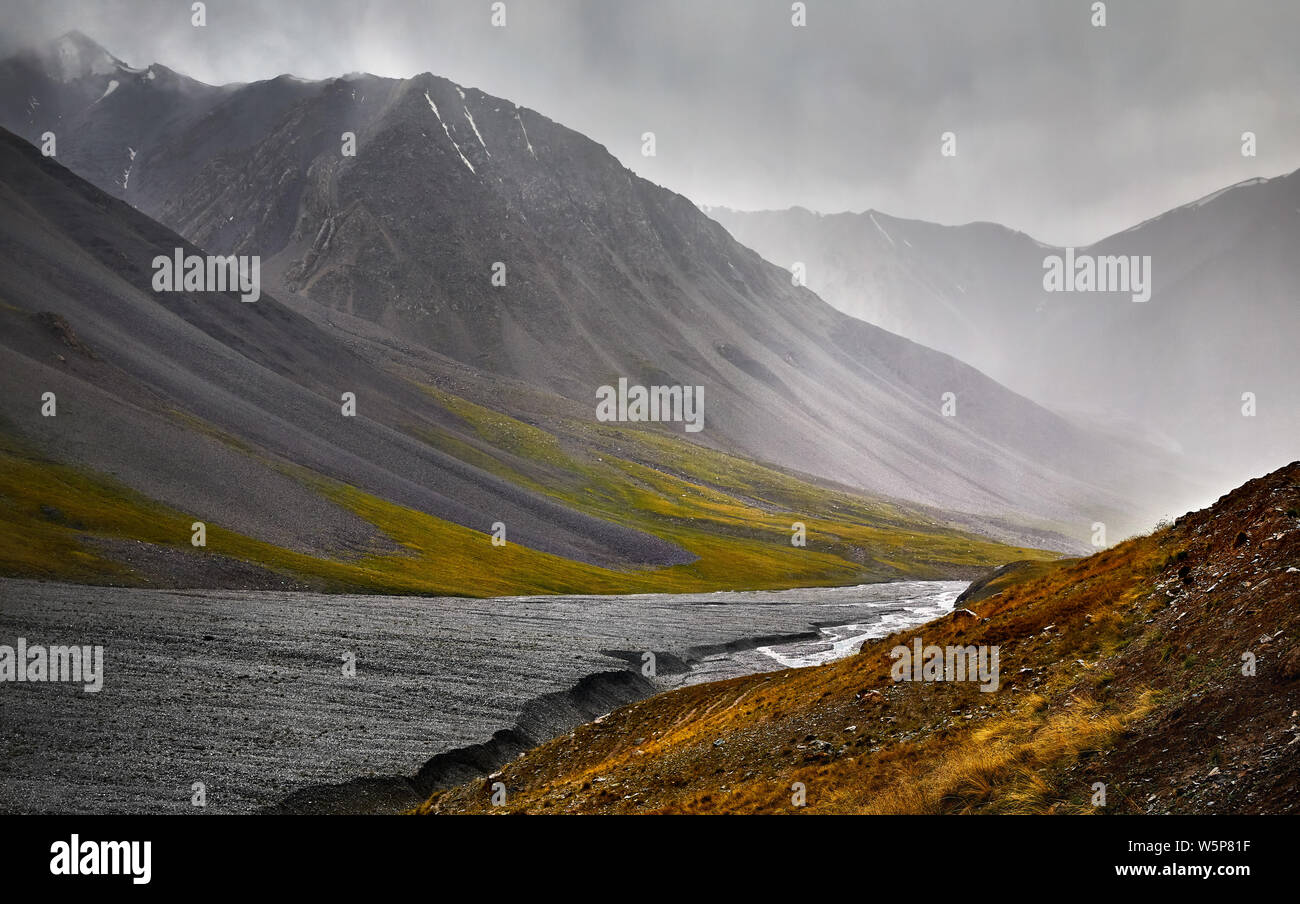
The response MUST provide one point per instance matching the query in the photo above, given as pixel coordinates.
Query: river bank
(248, 694)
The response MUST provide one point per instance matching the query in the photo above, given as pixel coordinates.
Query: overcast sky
(1065, 131)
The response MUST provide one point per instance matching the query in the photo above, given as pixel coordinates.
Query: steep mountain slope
(1221, 321)
(129, 364)
(76, 90)
(606, 276)
(171, 408)
(1166, 669)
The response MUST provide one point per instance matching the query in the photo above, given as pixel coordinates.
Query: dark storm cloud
(1065, 131)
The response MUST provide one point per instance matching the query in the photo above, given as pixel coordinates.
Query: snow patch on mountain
(112, 86)
(474, 126)
(882, 229)
(520, 120)
(447, 132)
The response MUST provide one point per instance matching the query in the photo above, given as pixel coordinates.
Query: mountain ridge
(606, 276)
(1219, 322)
(177, 407)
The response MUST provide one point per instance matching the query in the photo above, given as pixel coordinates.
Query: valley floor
(246, 692)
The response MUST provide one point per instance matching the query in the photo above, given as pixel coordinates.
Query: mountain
(951, 288)
(606, 276)
(1166, 669)
(171, 408)
(203, 404)
(73, 88)
(1221, 319)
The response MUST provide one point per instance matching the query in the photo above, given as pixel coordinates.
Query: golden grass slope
(1124, 669)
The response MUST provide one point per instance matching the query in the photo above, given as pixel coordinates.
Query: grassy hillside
(62, 523)
(1124, 668)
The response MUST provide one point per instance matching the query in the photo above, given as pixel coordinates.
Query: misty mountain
(1222, 318)
(219, 408)
(606, 276)
(129, 413)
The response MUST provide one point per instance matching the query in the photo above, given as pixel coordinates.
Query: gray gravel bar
(246, 692)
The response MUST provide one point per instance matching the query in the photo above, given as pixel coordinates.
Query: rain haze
(1065, 131)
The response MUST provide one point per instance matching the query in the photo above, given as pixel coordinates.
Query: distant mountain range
(1223, 318)
(383, 264)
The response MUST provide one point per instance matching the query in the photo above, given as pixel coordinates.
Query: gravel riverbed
(248, 692)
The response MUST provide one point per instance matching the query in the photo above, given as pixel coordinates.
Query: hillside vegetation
(58, 522)
(1130, 669)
